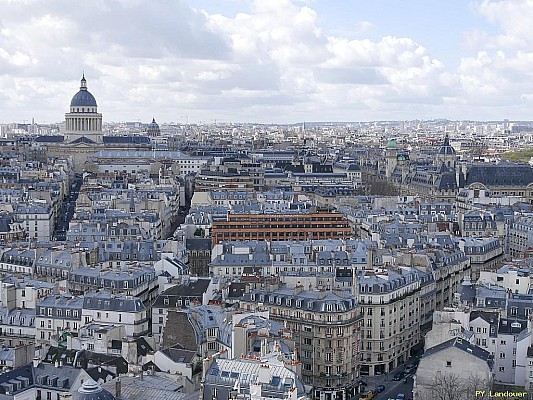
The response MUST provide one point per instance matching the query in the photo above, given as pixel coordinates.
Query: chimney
(36, 362)
(263, 375)
(118, 388)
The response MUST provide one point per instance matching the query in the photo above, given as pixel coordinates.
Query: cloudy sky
(269, 61)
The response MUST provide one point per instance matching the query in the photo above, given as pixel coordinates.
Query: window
(448, 363)
(502, 355)
(502, 369)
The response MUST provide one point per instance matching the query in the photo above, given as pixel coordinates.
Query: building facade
(326, 332)
(286, 226)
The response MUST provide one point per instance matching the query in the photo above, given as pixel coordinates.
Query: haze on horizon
(276, 61)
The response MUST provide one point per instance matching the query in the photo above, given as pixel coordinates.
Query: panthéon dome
(83, 98)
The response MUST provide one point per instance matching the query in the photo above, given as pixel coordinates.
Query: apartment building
(282, 226)
(131, 280)
(516, 279)
(117, 309)
(484, 254)
(326, 333)
(56, 314)
(18, 260)
(38, 220)
(178, 297)
(521, 235)
(390, 304)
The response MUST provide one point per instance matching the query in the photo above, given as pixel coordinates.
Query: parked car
(368, 395)
(380, 388)
(400, 396)
(398, 376)
(409, 368)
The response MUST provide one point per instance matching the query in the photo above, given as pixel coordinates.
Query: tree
(451, 386)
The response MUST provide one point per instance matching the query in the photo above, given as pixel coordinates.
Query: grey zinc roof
(395, 280)
(129, 139)
(500, 174)
(198, 244)
(511, 326)
(316, 300)
(463, 345)
(256, 322)
(194, 288)
(59, 301)
(179, 355)
(225, 373)
(7, 354)
(20, 317)
(28, 282)
(138, 273)
(152, 387)
(103, 300)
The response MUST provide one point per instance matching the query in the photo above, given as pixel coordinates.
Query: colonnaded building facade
(83, 134)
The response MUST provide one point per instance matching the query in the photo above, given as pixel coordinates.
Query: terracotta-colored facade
(277, 227)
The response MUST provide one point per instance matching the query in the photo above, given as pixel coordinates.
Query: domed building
(446, 154)
(153, 129)
(83, 135)
(91, 390)
(83, 123)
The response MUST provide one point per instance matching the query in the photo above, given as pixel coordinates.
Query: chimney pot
(118, 388)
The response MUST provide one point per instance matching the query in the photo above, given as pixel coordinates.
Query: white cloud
(167, 59)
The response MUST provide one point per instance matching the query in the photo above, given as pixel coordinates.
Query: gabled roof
(463, 345)
(84, 140)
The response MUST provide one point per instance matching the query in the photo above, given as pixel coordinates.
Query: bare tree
(451, 386)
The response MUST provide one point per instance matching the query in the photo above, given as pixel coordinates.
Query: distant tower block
(83, 123)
